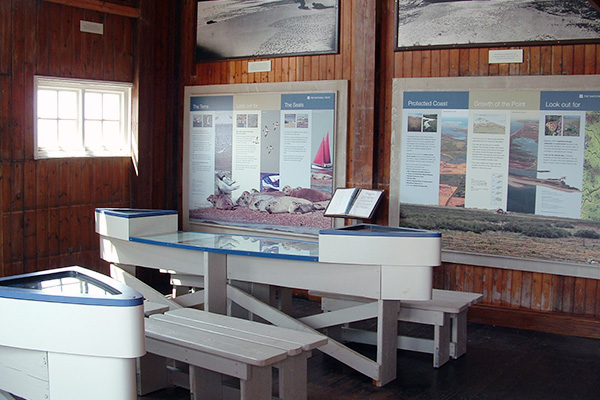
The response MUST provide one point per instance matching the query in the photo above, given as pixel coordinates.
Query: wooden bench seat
(211, 345)
(217, 344)
(446, 312)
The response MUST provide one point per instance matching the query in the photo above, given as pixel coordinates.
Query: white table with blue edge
(382, 263)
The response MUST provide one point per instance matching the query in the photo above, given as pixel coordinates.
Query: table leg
(215, 282)
(387, 340)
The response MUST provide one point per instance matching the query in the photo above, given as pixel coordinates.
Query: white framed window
(81, 118)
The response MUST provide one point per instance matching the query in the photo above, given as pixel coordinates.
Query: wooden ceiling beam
(102, 6)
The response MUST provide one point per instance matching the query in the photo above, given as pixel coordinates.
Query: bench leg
(151, 373)
(5, 396)
(259, 386)
(205, 384)
(293, 378)
(441, 342)
(458, 347)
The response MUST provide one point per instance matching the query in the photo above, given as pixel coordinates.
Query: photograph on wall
(264, 161)
(452, 23)
(231, 29)
(514, 173)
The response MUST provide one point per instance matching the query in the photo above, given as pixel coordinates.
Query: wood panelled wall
(47, 206)
(368, 60)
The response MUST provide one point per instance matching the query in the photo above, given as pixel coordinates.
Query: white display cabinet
(69, 334)
(406, 256)
(123, 223)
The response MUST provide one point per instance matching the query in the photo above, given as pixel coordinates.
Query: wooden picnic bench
(446, 312)
(213, 345)
(218, 344)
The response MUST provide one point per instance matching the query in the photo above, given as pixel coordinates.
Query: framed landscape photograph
(234, 29)
(468, 23)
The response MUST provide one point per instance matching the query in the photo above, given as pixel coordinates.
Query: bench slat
(452, 307)
(151, 308)
(452, 295)
(226, 347)
(291, 349)
(442, 300)
(308, 341)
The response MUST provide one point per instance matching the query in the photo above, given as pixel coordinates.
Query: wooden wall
(47, 206)
(367, 59)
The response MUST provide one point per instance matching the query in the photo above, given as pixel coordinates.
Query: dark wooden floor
(501, 363)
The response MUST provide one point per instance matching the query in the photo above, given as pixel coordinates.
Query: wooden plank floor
(501, 363)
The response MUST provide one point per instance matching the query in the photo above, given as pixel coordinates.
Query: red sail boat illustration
(323, 156)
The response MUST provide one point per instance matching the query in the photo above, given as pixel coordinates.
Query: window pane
(47, 105)
(112, 135)
(67, 134)
(47, 131)
(67, 105)
(93, 133)
(79, 118)
(93, 105)
(111, 106)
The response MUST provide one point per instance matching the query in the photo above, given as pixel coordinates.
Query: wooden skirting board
(551, 322)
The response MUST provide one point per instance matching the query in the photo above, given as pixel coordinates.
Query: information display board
(262, 156)
(519, 156)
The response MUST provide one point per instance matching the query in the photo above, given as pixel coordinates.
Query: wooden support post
(215, 282)
(387, 340)
(5, 396)
(205, 384)
(293, 377)
(259, 387)
(441, 351)
(151, 373)
(458, 346)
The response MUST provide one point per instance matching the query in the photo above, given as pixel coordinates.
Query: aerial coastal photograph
(265, 27)
(435, 22)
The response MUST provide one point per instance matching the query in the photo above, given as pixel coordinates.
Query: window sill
(49, 154)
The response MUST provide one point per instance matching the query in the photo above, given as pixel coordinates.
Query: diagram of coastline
(559, 184)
